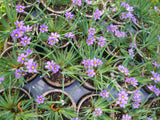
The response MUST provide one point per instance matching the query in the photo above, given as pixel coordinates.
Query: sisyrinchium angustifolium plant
(127, 31)
(16, 104)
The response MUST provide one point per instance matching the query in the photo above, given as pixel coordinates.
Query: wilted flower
(25, 40)
(126, 117)
(129, 8)
(134, 45)
(91, 31)
(20, 8)
(91, 72)
(97, 14)
(69, 15)
(77, 2)
(104, 93)
(22, 58)
(97, 112)
(43, 28)
(69, 35)
(40, 99)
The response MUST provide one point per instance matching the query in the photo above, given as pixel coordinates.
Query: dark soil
(10, 39)
(155, 105)
(118, 116)
(57, 78)
(56, 96)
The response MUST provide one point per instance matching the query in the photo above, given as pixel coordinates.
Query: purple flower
(102, 41)
(118, 33)
(43, 28)
(21, 30)
(123, 4)
(94, 62)
(152, 87)
(99, 62)
(123, 34)
(51, 40)
(18, 73)
(19, 24)
(134, 82)
(91, 31)
(136, 94)
(124, 16)
(130, 15)
(156, 77)
(91, 72)
(40, 99)
(156, 8)
(89, 2)
(134, 45)
(31, 66)
(87, 63)
(28, 51)
(50, 65)
(149, 118)
(123, 95)
(75, 119)
(16, 34)
(126, 117)
(1, 79)
(158, 37)
(133, 19)
(97, 14)
(136, 105)
(69, 15)
(90, 40)
(113, 28)
(22, 58)
(124, 70)
(77, 2)
(55, 36)
(20, 8)
(131, 53)
(97, 112)
(104, 93)
(69, 35)
(25, 40)
(28, 28)
(156, 64)
(114, 10)
(56, 68)
(157, 91)
(121, 103)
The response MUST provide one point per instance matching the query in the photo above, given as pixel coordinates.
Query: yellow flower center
(21, 32)
(89, 41)
(20, 8)
(103, 93)
(25, 41)
(22, 58)
(91, 31)
(135, 93)
(125, 71)
(17, 73)
(32, 67)
(97, 112)
(122, 96)
(55, 68)
(96, 15)
(90, 73)
(16, 35)
(19, 24)
(54, 37)
(121, 102)
(77, 2)
(43, 28)
(68, 16)
(51, 66)
(94, 62)
(155, 78)
(51, 40)
(40, 99)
